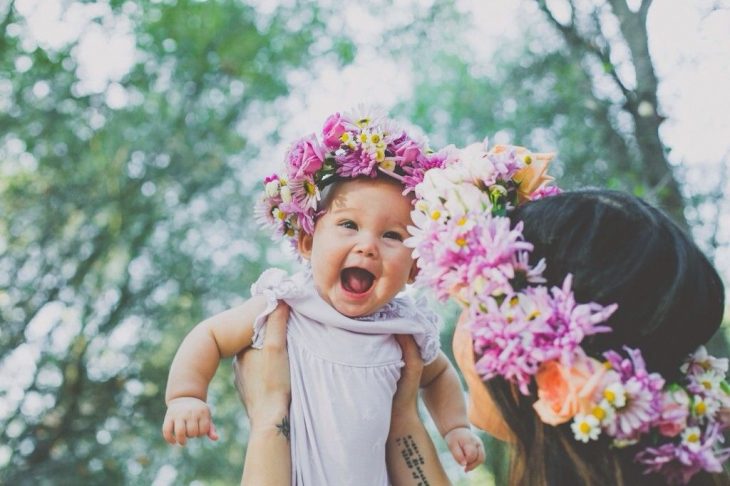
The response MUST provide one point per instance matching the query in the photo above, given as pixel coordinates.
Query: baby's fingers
(458, 452)
(192, 428)
(212, 434)
(206, 427)
(474, 453)
(168, 430)
(180, 431)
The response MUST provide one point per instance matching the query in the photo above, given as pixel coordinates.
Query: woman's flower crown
(467, 248)
(363, 143)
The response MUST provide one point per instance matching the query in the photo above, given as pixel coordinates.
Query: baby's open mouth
(356, 280)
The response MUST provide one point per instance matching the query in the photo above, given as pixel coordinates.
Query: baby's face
(359, 261)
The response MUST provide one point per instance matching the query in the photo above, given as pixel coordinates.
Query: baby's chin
(356, 311)
(348, 310)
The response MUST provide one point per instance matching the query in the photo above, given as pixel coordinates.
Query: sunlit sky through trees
(690, 45)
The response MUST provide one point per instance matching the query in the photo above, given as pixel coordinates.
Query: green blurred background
(133, 136)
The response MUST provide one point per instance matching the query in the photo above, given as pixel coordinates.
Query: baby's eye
(349, 224)
(393, 235)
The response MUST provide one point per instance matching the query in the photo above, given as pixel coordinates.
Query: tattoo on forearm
(283, 427)
(413, 458)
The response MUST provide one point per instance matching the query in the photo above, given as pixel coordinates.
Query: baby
(344, 360)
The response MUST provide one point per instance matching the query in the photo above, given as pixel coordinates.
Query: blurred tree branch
(641, 100)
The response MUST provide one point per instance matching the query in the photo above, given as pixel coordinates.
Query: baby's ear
(304, 244)
(413, 273)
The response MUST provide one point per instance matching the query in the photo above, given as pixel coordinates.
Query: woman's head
(621, 250)
(359, 262)
(670, 300)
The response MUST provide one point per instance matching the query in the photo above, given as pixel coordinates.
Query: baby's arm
(194, 365)
(444, 399)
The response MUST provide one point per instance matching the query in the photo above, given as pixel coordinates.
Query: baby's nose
(367, 245)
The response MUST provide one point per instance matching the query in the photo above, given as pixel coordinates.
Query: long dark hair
(621, 250)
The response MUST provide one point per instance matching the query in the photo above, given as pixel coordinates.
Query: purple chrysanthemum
(643, 396)
(678, 462)
(522, 331)
(415, 172)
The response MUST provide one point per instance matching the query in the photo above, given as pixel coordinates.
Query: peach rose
(563, 392)
(534, 175)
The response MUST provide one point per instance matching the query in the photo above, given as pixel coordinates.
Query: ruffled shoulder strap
(274, 284)
(432, 324)
(415, 309)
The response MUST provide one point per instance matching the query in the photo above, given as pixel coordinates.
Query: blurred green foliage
(124, 224)
(123, 227)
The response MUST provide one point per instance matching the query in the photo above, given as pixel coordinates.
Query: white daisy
(692, 438)
(272, 188)
(285, 194)
(585, 427)
(615, 394)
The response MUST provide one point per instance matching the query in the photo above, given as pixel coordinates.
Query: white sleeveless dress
(343, 377)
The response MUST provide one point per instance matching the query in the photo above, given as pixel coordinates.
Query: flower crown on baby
(363, 143)
(467, 249)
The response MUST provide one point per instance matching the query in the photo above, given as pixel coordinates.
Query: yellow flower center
(363, 137)
(584, 427)
(310, 188)
(363, 122)
(514, 301)
(435, 215)
(461, 241)
(462, 221)
(609, 395)
(693, 437)
(599, 413)
(700, 408)
(533, 315)
(345, 137)
(375, 138)
(707, 384)
(528, 159)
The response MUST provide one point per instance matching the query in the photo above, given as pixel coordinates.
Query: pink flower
(565, 391)
(406, 150)
(305, 157)
(545, 191)
(355, 164)
(333, 129)
(643, 395)
(674, 412)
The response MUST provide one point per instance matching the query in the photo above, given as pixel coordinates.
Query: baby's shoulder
(413, 307)
(278, 284)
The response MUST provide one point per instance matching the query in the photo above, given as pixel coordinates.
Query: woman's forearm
(268, 460)
(411, 455)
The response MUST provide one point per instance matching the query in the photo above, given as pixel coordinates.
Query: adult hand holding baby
(262, 378)
(264, 385)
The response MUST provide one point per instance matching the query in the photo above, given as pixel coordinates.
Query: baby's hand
(187, 417)
(466, 447)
